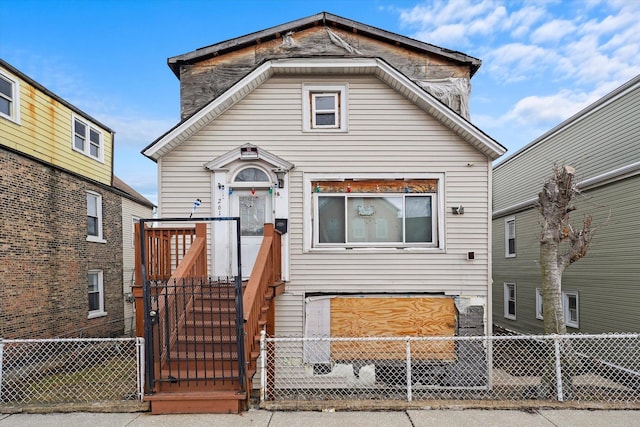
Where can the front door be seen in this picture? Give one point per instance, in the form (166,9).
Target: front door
(254,209)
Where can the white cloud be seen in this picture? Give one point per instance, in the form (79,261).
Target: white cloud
(552,31)
(520,21)
(549,110)
(516,61)
(454,22)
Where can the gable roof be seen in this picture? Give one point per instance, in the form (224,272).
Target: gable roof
(373,66)
(631,85)
(131,193)
(326,19)
(13,70)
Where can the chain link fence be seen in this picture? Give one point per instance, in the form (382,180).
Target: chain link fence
(587,368)
(71,370)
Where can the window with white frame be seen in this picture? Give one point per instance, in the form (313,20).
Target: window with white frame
(376,213)
(571,309)
(324,108)
(539,304)
(510,301)
(510,237)
(134,220)
(87,139)
(9,98)
(96,293)
(94,217)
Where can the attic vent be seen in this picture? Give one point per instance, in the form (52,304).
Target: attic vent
(248,153)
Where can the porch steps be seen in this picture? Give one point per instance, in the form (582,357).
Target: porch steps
(201,374)
(204,361)
(198,402)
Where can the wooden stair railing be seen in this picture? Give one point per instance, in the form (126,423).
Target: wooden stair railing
(193,265)
(164,248)
(190,248)
(265,283)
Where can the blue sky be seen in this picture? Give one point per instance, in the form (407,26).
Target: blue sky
(543,60)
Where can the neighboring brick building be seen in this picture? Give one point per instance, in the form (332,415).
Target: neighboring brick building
(61,237)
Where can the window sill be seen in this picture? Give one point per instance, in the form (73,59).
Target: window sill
(378,250)
(10,118)
(325,130)
(95,239)
(94,314)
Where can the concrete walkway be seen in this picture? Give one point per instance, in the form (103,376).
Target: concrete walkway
(409,418)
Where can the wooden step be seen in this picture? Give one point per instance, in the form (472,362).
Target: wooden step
(180,382)
(208,364)
(201,402)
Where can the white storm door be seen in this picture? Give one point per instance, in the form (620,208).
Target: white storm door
(254,209)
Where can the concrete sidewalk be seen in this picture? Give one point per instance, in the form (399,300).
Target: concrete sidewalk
(409,418)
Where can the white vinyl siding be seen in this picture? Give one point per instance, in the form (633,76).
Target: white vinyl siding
(131,212)
(387,134)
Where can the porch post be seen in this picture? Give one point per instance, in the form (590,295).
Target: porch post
(136,288)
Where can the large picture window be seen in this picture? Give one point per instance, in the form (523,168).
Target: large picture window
(378,213)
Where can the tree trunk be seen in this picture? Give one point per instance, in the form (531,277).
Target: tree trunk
(553,314)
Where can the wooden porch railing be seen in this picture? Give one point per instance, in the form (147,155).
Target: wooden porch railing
(258,297)
(166,247)
(188,245)
(173,305)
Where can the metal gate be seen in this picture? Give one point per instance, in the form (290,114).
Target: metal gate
(166,307)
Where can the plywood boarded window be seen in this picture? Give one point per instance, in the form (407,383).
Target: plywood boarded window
(382,316)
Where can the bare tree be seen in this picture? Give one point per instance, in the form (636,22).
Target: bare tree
(555,202)
(560,246)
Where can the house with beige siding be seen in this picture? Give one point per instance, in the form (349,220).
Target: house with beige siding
(600,292)
(134,207)
(61,253)
(333,130)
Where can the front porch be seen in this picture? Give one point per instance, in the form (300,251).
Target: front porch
(202,334)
